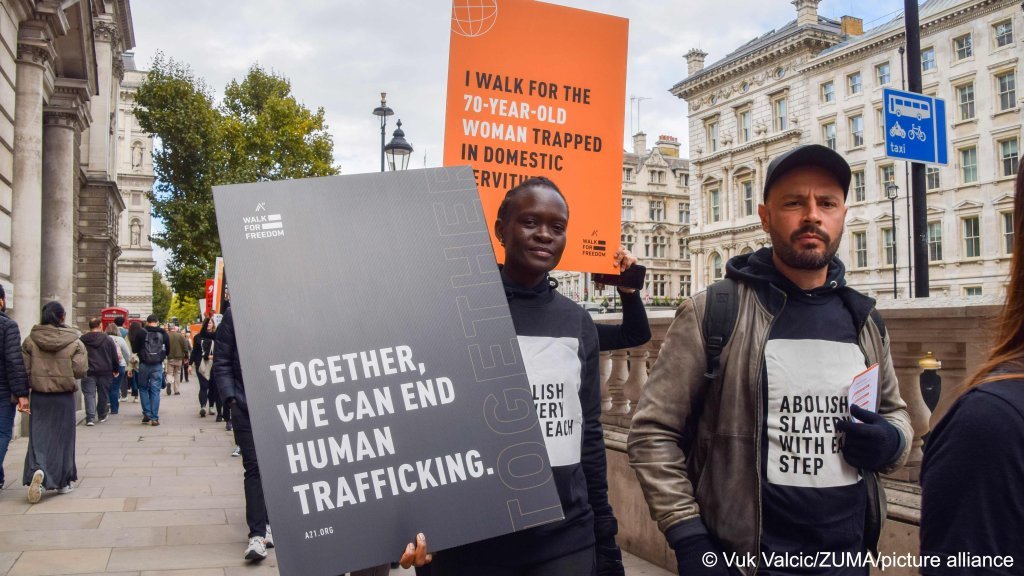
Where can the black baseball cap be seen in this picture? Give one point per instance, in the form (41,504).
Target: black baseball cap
(809,155)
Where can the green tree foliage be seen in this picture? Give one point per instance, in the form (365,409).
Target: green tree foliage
(161,297)
(260,132)
(186,309)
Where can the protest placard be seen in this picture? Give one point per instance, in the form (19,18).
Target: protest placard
(536,89)
(387,392)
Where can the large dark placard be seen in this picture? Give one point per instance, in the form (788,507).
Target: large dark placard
(384,379)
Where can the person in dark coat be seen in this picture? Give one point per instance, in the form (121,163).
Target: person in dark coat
(103,368)
(13,379)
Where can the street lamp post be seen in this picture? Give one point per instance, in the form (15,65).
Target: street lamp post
(893,191)
(398,150)
(383,112)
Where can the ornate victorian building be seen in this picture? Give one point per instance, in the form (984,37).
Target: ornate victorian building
(60,68)
(820,80)
(135,179)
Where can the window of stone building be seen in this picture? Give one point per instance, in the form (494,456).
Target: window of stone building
(853,83)
(1006,86)
(684,212)
(859,186)
(660,246)
(684,249)
(934,237)
(828,134)
(931,178)
(963,46)
(627,209)
(886,176)
(743,123)
(860,249)
(647,246)
(972,236)
(969,165)
(659,285)
(1007,218)
(972,290)
(716,267)
(627,174)
(779,111)
(889,245)
(657,210)
(1009,157)
(684,285)
(712,134)
(684,179)
(714,206)
(1003,32)
(965,100)
(828,91)
(856,130)
(627,241)
(747,190)
(882,74)
(927,59)
(880,125)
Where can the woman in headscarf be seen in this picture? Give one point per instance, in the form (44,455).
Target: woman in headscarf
(54,359)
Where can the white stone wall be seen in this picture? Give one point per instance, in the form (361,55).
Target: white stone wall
(8,52)
(953,200)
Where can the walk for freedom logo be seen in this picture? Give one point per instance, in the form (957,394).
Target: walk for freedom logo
(262,225)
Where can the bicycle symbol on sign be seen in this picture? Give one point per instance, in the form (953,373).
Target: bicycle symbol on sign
(897,131)
(916,133)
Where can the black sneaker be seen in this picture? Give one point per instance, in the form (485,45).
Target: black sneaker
(145,419)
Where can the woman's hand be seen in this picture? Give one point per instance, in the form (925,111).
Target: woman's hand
(623,260)
(416,555)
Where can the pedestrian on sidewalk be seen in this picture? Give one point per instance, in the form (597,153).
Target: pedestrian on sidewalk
(121,330)
(54,358)
(118,388)
(133,361)
(152,345)
(177,354)
(227,372)
(13,379)
(102,370)
(202,358)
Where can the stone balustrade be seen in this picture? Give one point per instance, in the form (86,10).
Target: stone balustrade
(958,332)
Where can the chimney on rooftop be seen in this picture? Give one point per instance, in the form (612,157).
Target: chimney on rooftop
(806,12)
(695,60)
(852,26)
(668,146)
(639,143)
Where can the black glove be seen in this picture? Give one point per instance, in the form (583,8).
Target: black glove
(698,554)
(609,558)
(871,444)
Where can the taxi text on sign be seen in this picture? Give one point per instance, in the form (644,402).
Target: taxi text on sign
(536,89)
(915,127)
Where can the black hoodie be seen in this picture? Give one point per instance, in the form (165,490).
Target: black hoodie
(102,354)
(560,350)
(812,500)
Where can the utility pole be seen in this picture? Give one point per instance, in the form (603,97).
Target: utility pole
(906,179)
(917,185)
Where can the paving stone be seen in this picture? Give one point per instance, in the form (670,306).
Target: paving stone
(160,490)
(163,518)
(235,534)
(54,562)
(95,538)
(43,522)
(199,572)
(191,503)
(58,504)
(175,557)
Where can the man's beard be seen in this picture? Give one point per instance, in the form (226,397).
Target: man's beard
(804,259)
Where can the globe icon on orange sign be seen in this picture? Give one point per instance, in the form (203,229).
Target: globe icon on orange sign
(473,18)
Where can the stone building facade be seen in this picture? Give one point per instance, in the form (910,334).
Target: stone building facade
(820,80)
(135,179)
(60,66)
(655,223)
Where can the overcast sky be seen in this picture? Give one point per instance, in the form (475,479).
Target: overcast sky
(340,54)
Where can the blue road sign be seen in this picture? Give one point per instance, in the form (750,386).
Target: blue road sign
(915,127)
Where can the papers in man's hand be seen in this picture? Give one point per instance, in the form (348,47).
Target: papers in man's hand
(864,389)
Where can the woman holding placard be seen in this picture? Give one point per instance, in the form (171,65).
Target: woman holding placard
(559,343)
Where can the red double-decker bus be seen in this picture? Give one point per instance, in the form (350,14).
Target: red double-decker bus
(107,316)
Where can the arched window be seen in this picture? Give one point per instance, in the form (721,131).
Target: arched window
(717,271)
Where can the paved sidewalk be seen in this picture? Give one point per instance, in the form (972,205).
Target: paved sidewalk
(151,501)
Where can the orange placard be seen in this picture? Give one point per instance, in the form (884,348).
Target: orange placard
(536,89)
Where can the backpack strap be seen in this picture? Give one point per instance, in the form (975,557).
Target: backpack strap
(720,311)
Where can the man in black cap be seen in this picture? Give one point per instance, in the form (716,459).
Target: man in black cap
(754,453)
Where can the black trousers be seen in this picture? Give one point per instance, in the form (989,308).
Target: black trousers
(579,563)
(255,505)
(204,390)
